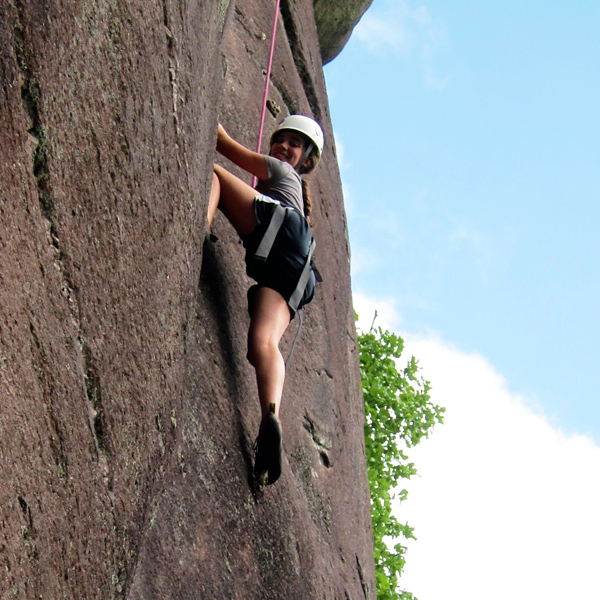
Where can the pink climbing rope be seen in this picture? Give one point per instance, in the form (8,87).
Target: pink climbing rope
(266,95)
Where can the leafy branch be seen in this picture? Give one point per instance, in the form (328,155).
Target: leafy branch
(398,414)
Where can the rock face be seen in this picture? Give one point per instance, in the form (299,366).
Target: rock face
(127,407)
(335,21)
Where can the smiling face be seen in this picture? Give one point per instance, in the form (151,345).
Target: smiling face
(288,146)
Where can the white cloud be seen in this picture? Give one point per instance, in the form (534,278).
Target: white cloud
(484,252)
(388,316)
(395,28)
(362,260)
(341,153)
(432,80)
(471,245)
(505,505)
(344,165)
(392,26)
(349,199)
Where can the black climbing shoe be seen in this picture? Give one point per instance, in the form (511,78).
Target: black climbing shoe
(267,462)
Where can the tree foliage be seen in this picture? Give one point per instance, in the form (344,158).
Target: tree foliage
(398,414)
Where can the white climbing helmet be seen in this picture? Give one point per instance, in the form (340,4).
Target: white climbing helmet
(309,127)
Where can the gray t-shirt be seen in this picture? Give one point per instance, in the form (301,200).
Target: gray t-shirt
(284,184)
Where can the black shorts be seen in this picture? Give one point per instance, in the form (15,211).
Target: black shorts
(283,267)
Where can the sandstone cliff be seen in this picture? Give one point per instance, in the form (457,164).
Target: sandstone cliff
(127,408)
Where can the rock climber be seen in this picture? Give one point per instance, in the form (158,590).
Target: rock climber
(295,148)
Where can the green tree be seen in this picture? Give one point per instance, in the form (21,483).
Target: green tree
(398,414)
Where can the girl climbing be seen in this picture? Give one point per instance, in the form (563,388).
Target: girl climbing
(272,221)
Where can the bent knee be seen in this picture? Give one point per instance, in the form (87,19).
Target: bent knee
(260,350)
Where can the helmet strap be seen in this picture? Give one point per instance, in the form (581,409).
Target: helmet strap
(309,148)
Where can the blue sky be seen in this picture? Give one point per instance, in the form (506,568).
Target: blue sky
(469,136)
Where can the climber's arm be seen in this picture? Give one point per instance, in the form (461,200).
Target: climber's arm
(250,161)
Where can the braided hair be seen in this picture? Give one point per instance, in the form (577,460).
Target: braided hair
(306,199)
(307,167)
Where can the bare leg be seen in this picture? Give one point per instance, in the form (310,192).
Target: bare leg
(213,199)
(270,314)
(270,318)
(235,198)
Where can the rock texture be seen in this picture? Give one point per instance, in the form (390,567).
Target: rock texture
(127,407)
(335,21)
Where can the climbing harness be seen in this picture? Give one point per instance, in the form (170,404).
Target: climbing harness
(268,239)
(266,244)
(268,81)
(262,253)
